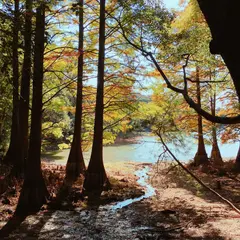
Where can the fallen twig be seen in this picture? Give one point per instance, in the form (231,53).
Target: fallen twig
(197,179)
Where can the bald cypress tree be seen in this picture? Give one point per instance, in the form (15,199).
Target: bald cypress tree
(201,155)
(96,177)
(11,157)
(21,155)
(75,164)
(34,191)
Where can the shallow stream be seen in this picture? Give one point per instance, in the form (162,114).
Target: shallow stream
(142,181)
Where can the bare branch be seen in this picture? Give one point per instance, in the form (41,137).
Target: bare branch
(189,100)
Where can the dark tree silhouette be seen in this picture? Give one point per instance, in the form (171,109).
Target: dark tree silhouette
(237,161)
(34,191)
(223,20)
(21,154)
(13,146)
(75,164)
(96,177)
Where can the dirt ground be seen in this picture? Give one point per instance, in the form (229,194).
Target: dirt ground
(180,209)
(201,214)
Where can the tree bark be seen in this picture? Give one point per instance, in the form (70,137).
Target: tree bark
(75,165)
(96,177)
(201,155)
(34,191)
(10,157)
(223,19)
(21,156)
(216,157)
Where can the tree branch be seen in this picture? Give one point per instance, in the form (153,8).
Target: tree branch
(189,100)
(197,179)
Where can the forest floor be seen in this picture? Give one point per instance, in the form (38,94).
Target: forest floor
(179,209)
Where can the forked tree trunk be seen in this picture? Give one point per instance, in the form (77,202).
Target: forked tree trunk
(34,191)
(216,157)
(21,155)
(75,163)
(96,177)
(11,157)
(201,155)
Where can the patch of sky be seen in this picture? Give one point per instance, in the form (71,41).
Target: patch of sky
(171,3)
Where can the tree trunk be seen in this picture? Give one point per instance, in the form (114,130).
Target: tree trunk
(21,156)
(96,177)
(2,145)
(201,155)
(216,157)
(223,19)
(10,157)
(34,191)
(75,164)
(237,160)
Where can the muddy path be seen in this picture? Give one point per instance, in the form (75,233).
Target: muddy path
(119,220)
(166,207)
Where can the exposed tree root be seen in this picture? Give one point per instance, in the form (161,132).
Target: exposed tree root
(95,183)
(74,169)
(32,197)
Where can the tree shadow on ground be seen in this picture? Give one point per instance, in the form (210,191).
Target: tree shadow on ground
(142,220)
(32,223)
(67,213)
(28,229)
(154,222)
(228,188)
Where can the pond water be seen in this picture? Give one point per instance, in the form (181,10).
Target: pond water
(146,149)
